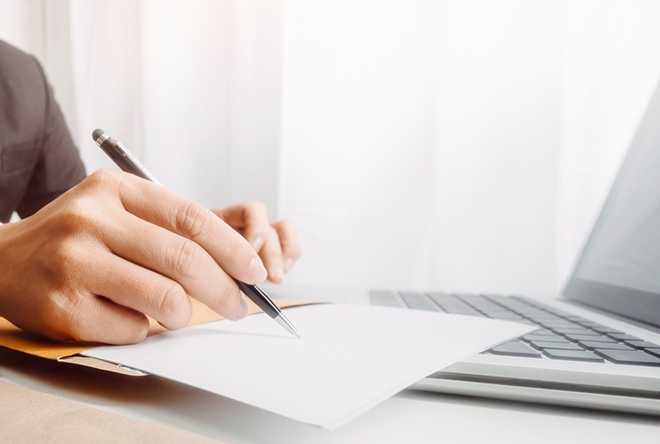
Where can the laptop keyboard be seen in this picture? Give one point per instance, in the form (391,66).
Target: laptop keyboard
(561,335)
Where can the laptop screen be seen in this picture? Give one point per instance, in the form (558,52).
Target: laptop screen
(619,268)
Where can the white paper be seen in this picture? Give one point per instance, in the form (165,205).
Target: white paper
(350,357)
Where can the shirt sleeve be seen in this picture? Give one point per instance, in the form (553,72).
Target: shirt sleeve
(59,166)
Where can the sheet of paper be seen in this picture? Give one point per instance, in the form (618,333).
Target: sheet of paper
(350,357)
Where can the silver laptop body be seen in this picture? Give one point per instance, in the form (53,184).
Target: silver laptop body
(613,294)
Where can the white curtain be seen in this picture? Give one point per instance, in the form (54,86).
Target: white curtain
(445,145)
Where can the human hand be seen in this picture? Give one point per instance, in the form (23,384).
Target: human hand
(90,265)
(278,243)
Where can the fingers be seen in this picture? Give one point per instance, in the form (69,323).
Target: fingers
(250,219)
(117,324)
(153,203)
(140,289)
(271,254)
(179,266)
(278,244)
(290,242)
(95,319)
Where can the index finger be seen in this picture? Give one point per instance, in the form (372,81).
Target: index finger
(160,206)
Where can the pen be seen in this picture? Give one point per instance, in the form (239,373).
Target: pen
(129,163)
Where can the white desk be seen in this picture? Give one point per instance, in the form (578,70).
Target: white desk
(410,417)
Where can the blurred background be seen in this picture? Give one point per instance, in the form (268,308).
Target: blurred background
(438,145)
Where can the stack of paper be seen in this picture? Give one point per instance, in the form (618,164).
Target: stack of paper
(349,359)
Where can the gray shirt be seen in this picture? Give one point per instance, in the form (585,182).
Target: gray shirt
(38,159)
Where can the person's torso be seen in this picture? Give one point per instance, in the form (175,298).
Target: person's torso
(23,101)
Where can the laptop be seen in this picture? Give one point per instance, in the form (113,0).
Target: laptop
(598,344)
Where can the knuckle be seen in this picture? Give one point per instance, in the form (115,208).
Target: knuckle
(272,232)
(234,248)
(76,215)
(64,258)
(105,178)
(137,329)
(257,206)
(192,220)
(227,291)
(272,247)
(163,299)
(288,225)
(171,299)
(185,259)
(69,316)
(65,318)
(254,209)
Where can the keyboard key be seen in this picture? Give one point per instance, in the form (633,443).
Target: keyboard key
(460,310)
(553,324)
(418,301)
(505,316)
(542,345)
(478,302)
(575,331)
(444,296)
(488,307)
(629,357)
(591,345)
(542,332)
(572,355)
(527,321)
(384,298)
(554,338)
(640,345)
(451,304)
(546,318)
(623,337)
(603,329)
(530,311)
(486,311)
(558,324)
(577,338)
(515,348)
(556,311)
(653,351)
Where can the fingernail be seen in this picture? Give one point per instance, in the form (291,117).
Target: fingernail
(242,308)
(256,272)
(288,264)
(277,273)
(258,243)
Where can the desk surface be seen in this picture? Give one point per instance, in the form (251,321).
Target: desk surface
(410,416)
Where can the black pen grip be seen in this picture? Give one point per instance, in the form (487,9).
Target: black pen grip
(259,297)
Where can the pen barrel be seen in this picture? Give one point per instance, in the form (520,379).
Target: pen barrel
(259,298)
(124,159)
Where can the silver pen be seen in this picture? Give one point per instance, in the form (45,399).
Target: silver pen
(129,163)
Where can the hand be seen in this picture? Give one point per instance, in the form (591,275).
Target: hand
(90,265)
(278,243)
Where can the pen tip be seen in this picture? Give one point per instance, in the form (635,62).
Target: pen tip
(288,326)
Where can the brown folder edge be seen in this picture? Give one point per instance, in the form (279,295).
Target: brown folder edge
(16,339)
(29,416)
